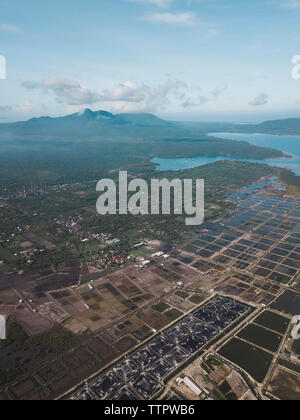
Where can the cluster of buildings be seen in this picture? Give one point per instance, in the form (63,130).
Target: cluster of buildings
(28,254)
(34,190)
(109,259)
(73,226)
(153,231)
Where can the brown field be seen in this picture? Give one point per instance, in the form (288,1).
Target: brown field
(9,297)
(23,388)
(125,345)
(285,385)
(33,323)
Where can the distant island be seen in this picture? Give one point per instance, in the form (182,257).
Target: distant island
(290,126)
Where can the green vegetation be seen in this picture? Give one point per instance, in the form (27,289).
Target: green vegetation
(223,175)
(51,228)
(292,181)
(15,336)
(53,246)
(41,164)
(5,255)
(181,294)
(290,126)
(173,314)
(160,307)
(21,353)
(91,161)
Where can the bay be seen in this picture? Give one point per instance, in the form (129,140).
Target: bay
(288,144)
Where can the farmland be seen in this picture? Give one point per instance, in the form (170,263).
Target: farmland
(226,290)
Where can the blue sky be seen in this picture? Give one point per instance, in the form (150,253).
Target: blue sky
(189,60)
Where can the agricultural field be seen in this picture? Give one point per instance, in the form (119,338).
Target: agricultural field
(285,385)
(167,351)
(160,309)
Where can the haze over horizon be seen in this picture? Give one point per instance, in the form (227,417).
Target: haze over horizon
(209,118)
(180,60)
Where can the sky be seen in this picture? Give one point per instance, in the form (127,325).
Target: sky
(197,60)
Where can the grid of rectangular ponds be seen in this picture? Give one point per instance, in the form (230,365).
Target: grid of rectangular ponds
(140,376)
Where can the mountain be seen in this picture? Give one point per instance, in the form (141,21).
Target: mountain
(290,126)
(105,126)
(89,124)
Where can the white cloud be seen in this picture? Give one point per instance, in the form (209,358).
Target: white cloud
(260,100)
(159,3)
(127,97)
(24,108)
(70,91)
(124,96)
(66,91)
(126,92)
(184,19)
(130,98)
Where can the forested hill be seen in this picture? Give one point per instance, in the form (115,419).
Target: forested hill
(98,125)
(289,126)
(103,125)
